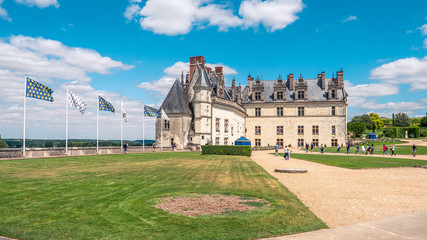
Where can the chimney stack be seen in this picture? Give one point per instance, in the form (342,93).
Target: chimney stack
(291,81)
(218,70)
(340,78)
(233,89)
(193,62)
(239,94)
(250,80)
(322,80)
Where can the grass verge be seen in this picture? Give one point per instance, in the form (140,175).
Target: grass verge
(113,197)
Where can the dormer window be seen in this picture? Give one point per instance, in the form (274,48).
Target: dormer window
(280,95)
(333,93)
(257,96)
(301,95)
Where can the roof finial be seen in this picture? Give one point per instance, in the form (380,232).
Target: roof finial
(333,75)
(341,68)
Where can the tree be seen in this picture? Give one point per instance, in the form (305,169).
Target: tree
(364,119)
(402,120)
(378,123)
(423,122)
(48,144)
(357,128)
(3,144)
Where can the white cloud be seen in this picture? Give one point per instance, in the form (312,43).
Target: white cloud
(423,29)
(408,70)
(50,62)
(3,13)
(39,3)
(349,18)
(425,43)
(51,59)
(156,15)
(273,14)
(371,90)
(173,72)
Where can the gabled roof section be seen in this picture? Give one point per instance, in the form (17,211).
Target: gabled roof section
(203,79)
(176,100)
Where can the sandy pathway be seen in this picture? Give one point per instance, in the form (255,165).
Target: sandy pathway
(342,196)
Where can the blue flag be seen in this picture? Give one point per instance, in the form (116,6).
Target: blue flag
(150,111)
(105,106)
(38,90)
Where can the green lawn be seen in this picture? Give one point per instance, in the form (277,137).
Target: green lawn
(112,197)
(359,161)
(378,149)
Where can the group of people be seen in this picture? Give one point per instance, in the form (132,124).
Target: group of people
(287,152)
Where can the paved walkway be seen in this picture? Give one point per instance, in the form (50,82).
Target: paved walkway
(406,226)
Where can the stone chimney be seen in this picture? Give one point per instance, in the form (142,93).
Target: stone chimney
(250,80)
(209,69)
(193,61)
(233,89)
(219,71)
(322,79)
(291,81)
(239,94)
(340,78)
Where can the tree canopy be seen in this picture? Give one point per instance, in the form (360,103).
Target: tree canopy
(423,122)
(378,123)
(402,120)
(364,119)
(357,128)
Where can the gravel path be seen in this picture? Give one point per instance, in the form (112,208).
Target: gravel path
(342,196)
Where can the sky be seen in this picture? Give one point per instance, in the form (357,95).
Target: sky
(133,50)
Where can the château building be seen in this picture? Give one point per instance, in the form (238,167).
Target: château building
(202,110)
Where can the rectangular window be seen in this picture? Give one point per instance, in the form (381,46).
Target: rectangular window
(217,141)
(334,142)
(300,130)
(300,94)
(280,142)
(280,112)
(315,130)
(257,96)
(258,142)
(257,130)
(301,142)
(232,132)
(280,95)
(257,112)
(279,130)
(218,124)
(333,111)
(166,125)
(300,111)
(225,125)
(225,141)
(333,130)
(316,142)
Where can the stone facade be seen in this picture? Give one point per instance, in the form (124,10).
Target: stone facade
(289,112)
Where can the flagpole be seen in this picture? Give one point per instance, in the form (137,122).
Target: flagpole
(25,108)
(66,121)
(161,131)
(97,123)
(121,125)
(143,126)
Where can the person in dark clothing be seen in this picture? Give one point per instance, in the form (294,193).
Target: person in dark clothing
(125,146)
(348,148)
(372,149)
(306,147)
(414,150)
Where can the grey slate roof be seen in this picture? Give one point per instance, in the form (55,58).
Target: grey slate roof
(202,80)
(314,91)
(176,100)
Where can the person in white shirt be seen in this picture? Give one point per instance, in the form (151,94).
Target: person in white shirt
(363,149)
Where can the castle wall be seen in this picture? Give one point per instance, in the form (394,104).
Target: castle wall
(236,125)
(179,128)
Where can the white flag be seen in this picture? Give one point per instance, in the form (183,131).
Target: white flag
(75,101)
(164,116)
(124,112)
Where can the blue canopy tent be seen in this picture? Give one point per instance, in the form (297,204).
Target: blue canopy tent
(242,141)
(372,136)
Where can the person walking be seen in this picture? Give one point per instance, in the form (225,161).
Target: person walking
(322,149)
(311,147)
(372,148)
(357,149)
(363,149)
(306,147)
(154,146)
(276,149)
(286,153)
(414,150)
(338,148)
(385,150)
(125,146)
(348,148)
(393,150)
(368,149)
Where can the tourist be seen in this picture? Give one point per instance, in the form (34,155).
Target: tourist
(357,149)
(125,146)
(322,149)
(154,147)
(306,147)
(338,148)
(372,148)
(276,149)
(414,150)
(299,146)
(174,147)
(363,149)
(286,152)
(311,147)
(289,152)
(393,150)
(348,148)
(385,150)
(368,150)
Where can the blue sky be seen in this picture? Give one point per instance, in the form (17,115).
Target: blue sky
(135,49)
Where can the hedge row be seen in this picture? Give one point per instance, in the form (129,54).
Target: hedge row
(227,150)
(399,132)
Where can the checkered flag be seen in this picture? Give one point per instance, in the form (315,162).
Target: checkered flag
(76,102)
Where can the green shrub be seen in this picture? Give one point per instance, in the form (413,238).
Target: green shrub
(227,150)
(3,144)
(423,132)
(423,121)
(415,121)
(399,132)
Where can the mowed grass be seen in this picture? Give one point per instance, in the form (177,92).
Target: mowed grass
(378,149)
(359,161)
(113,197)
